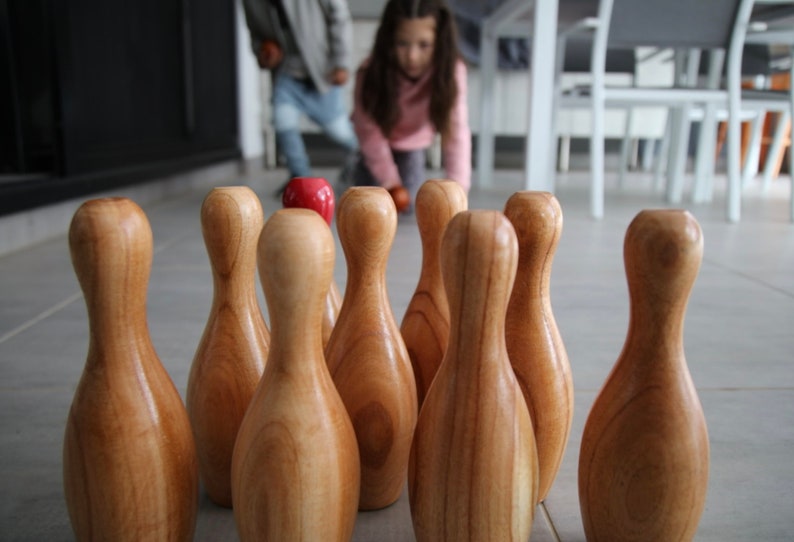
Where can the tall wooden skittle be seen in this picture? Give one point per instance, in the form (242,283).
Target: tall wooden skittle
(317,193)
(331,308)
(425,326)
(473,472)
(534,344)
(129,462)
(644,458)
(366,353)
(231,356)
(295,468)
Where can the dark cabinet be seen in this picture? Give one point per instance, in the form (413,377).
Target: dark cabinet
(100,93)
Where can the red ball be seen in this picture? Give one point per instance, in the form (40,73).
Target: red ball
(401,197)
(310,193)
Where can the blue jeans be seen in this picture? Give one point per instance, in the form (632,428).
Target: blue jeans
(293,98)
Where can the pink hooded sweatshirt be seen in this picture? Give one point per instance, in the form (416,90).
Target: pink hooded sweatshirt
(414,130)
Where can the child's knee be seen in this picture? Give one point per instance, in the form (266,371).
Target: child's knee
(341,130)
(286,117)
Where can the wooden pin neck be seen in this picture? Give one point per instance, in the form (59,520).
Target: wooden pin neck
(110,241)
(662,253)
(366,223)
(478,258)
(231,220)
(295,256)
(537,219)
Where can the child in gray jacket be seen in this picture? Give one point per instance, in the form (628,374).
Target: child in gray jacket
(307,46)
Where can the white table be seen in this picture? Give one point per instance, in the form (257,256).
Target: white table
(536,19)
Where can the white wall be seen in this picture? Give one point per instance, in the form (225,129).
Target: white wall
(249,95)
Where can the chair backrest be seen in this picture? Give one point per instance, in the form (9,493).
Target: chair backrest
(700,24)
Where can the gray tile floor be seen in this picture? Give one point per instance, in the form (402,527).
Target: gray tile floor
(738,340)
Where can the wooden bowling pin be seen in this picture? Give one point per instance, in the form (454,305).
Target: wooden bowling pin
(230,358)
(317,194)
(129,462)
(534,344)
(366,354)
(644,458)
(425,326)
(331,308)
(295,468)
(473,471)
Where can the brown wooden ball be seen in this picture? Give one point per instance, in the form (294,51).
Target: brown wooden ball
(401,197)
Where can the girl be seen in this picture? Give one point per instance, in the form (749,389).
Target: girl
(411,87)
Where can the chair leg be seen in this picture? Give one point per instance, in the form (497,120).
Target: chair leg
(734,137)
(648,149)
(625,150)
(791,198)
(598,105)
(678,155)
(680,142)
(705,161)
(597,172)
(597,155)
(750,168)
(774,156)
(564,163)
(485,135)
(705,155)
(662,156)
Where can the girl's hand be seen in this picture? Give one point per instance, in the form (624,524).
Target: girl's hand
(270,55)
(338,76)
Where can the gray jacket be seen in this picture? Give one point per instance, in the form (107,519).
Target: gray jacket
(323,31)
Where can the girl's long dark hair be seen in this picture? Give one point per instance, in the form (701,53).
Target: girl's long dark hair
(379,86)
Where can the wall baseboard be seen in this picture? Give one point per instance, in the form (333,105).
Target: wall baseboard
(26,228)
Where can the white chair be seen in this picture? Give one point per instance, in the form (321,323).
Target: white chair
(687,27)
(494,20)
(769,25)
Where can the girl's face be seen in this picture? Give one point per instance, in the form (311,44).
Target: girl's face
(415,41)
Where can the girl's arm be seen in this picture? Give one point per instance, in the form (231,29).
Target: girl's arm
(456,148)
(372,143)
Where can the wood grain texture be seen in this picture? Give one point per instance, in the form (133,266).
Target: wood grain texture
(295,468)
(333,303)
(366,353)
(473,473)
(425,325)
(231,355)
(317,193)
(534,344)
(129,462)
(644,458)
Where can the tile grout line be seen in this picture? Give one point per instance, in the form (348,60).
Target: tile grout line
(72,298)
(747,276)
(549,522)
(157,248)
(41,316)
